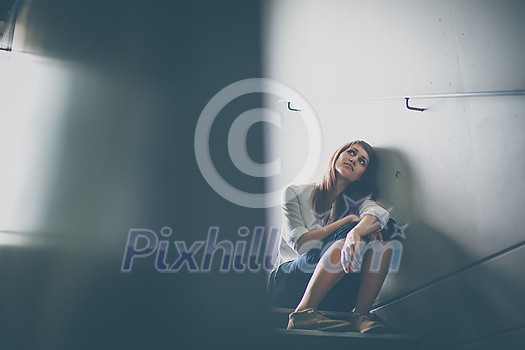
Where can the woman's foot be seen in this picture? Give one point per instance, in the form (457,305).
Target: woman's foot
(365,323)
(313,319)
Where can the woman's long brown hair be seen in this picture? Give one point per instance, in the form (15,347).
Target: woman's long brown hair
(365,187)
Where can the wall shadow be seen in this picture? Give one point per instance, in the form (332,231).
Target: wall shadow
(443,293)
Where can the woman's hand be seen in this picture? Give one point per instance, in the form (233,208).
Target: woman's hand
(351,252)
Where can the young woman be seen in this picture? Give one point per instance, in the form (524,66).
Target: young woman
(323,261)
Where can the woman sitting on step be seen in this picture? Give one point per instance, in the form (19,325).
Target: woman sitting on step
(325,260)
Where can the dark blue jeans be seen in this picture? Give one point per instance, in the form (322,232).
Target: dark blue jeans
(288,281)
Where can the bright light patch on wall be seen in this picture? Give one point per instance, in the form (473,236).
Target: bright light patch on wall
(13,239)
(299,136)
(32,93)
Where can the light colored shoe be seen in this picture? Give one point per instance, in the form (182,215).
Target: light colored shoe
(365,323)
(314,320)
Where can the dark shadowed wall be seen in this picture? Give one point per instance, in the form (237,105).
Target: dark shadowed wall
(100,104)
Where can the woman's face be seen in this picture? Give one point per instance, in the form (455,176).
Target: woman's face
(352,163)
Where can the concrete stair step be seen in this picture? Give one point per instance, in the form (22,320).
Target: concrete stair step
(311,339)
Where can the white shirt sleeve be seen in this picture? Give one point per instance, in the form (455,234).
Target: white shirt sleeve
(294,225)
(370,207)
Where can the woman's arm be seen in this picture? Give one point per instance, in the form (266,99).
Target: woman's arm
(370,207)
(351,251)
(295,230)
(323,232)
(367,225)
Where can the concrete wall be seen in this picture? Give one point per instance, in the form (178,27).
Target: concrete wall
(453,173)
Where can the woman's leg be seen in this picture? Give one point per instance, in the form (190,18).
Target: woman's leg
(372,281)
(327,274)
(324,279)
